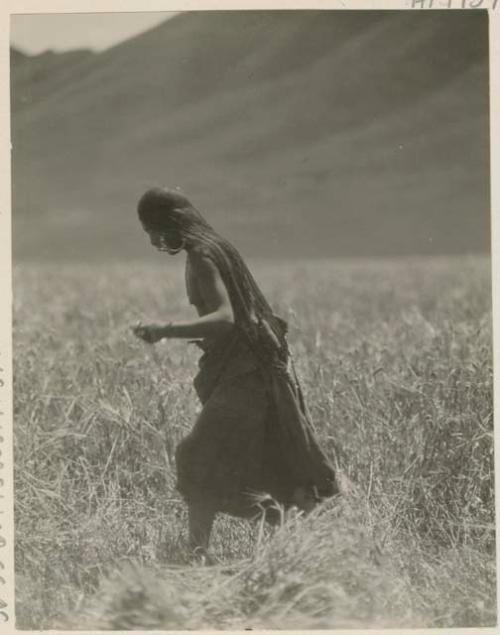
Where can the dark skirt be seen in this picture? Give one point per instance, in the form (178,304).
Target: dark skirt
(252,438)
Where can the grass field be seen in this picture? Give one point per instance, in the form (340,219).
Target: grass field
(396,363)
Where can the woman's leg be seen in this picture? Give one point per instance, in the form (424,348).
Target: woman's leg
(201,518)
(303,499)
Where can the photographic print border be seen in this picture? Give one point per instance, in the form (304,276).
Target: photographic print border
(7,593)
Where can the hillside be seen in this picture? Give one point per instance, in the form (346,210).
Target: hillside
(38,77)
(328,133)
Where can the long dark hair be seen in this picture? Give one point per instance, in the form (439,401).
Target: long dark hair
(165,210)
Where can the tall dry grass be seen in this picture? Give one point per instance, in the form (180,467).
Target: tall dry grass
(396,362)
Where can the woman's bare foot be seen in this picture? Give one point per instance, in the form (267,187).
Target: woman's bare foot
(201,556)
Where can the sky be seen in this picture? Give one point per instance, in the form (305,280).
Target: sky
(64,31)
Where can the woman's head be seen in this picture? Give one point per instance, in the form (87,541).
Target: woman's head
(169,218)
(173,223)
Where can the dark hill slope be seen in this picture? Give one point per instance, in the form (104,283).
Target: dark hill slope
(329,132)
(36,78)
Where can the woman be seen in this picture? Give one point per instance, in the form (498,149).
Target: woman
(253,441)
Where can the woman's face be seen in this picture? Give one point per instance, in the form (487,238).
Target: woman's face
(165,240)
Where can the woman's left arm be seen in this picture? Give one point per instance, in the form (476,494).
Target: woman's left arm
(219,318)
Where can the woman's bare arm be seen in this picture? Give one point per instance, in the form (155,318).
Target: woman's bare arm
(216,322)
(219,319)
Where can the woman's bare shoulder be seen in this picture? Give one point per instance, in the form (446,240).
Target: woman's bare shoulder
(199,255)
(200,260)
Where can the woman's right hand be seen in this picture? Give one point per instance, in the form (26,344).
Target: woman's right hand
(149,333)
